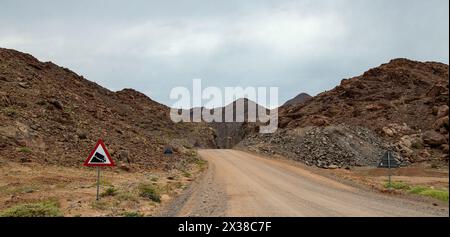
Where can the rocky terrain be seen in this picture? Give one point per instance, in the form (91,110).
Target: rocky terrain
(50,119)
(401,105)
(332,147)
(50,115)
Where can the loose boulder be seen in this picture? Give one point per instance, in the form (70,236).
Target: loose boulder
(442,111)
(441,123)
(433,138)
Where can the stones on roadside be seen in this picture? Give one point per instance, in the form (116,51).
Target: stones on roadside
(125,167)
(25,160)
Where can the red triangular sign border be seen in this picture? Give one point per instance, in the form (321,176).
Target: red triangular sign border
(99,143)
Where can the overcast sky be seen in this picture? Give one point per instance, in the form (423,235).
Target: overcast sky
(153,46)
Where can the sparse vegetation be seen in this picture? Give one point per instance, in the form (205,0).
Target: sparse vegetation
(132,214)
(420,190)
(430,192)
(417,189)
(149,191)
(103,183)
(126,196)
(10,112)
(24,149)
(68,111)
(434,166)
(186,174)
(417,145)
(110,191)
(39,209)
(171,187)
(101,205)
(193,153)
(19,189)
(397,185)
(201,164)
(28,190)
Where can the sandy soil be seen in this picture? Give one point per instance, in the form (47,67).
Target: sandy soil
(74,189)
(243,184)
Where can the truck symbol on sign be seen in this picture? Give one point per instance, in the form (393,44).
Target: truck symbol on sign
(98,158)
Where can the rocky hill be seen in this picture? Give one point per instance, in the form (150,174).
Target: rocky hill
(231,133)
(401,105)
(299,99)
(49,114)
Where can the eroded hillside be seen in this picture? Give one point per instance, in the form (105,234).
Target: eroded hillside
(49,114)
(401,105)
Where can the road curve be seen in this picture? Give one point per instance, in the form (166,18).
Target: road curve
(242,184)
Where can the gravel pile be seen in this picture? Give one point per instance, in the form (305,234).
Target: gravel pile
(331,147)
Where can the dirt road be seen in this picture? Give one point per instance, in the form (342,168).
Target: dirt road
(242,184)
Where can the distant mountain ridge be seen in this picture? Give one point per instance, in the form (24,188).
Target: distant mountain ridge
(300,98)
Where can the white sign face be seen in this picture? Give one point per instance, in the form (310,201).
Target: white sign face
(99,156)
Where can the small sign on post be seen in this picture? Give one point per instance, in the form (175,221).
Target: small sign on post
(168,150)
(388,161)
(98,157)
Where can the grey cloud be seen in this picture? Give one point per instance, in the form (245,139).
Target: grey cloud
(153,46)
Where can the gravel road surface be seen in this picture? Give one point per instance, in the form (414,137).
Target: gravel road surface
(238,183)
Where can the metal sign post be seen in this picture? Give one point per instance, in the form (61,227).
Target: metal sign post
(390,163)
(98,182)
(389,169)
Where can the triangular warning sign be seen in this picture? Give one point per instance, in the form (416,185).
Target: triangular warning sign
(99,156)
(388,161)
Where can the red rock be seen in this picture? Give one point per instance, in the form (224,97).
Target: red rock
(442,111)
(433,138)
(424,154)
(437,90)
(389,132)
(320,121)
(441,123)
(125,167)
(374,107)
(445,148)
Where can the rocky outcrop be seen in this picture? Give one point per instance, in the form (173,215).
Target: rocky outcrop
(403,102)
